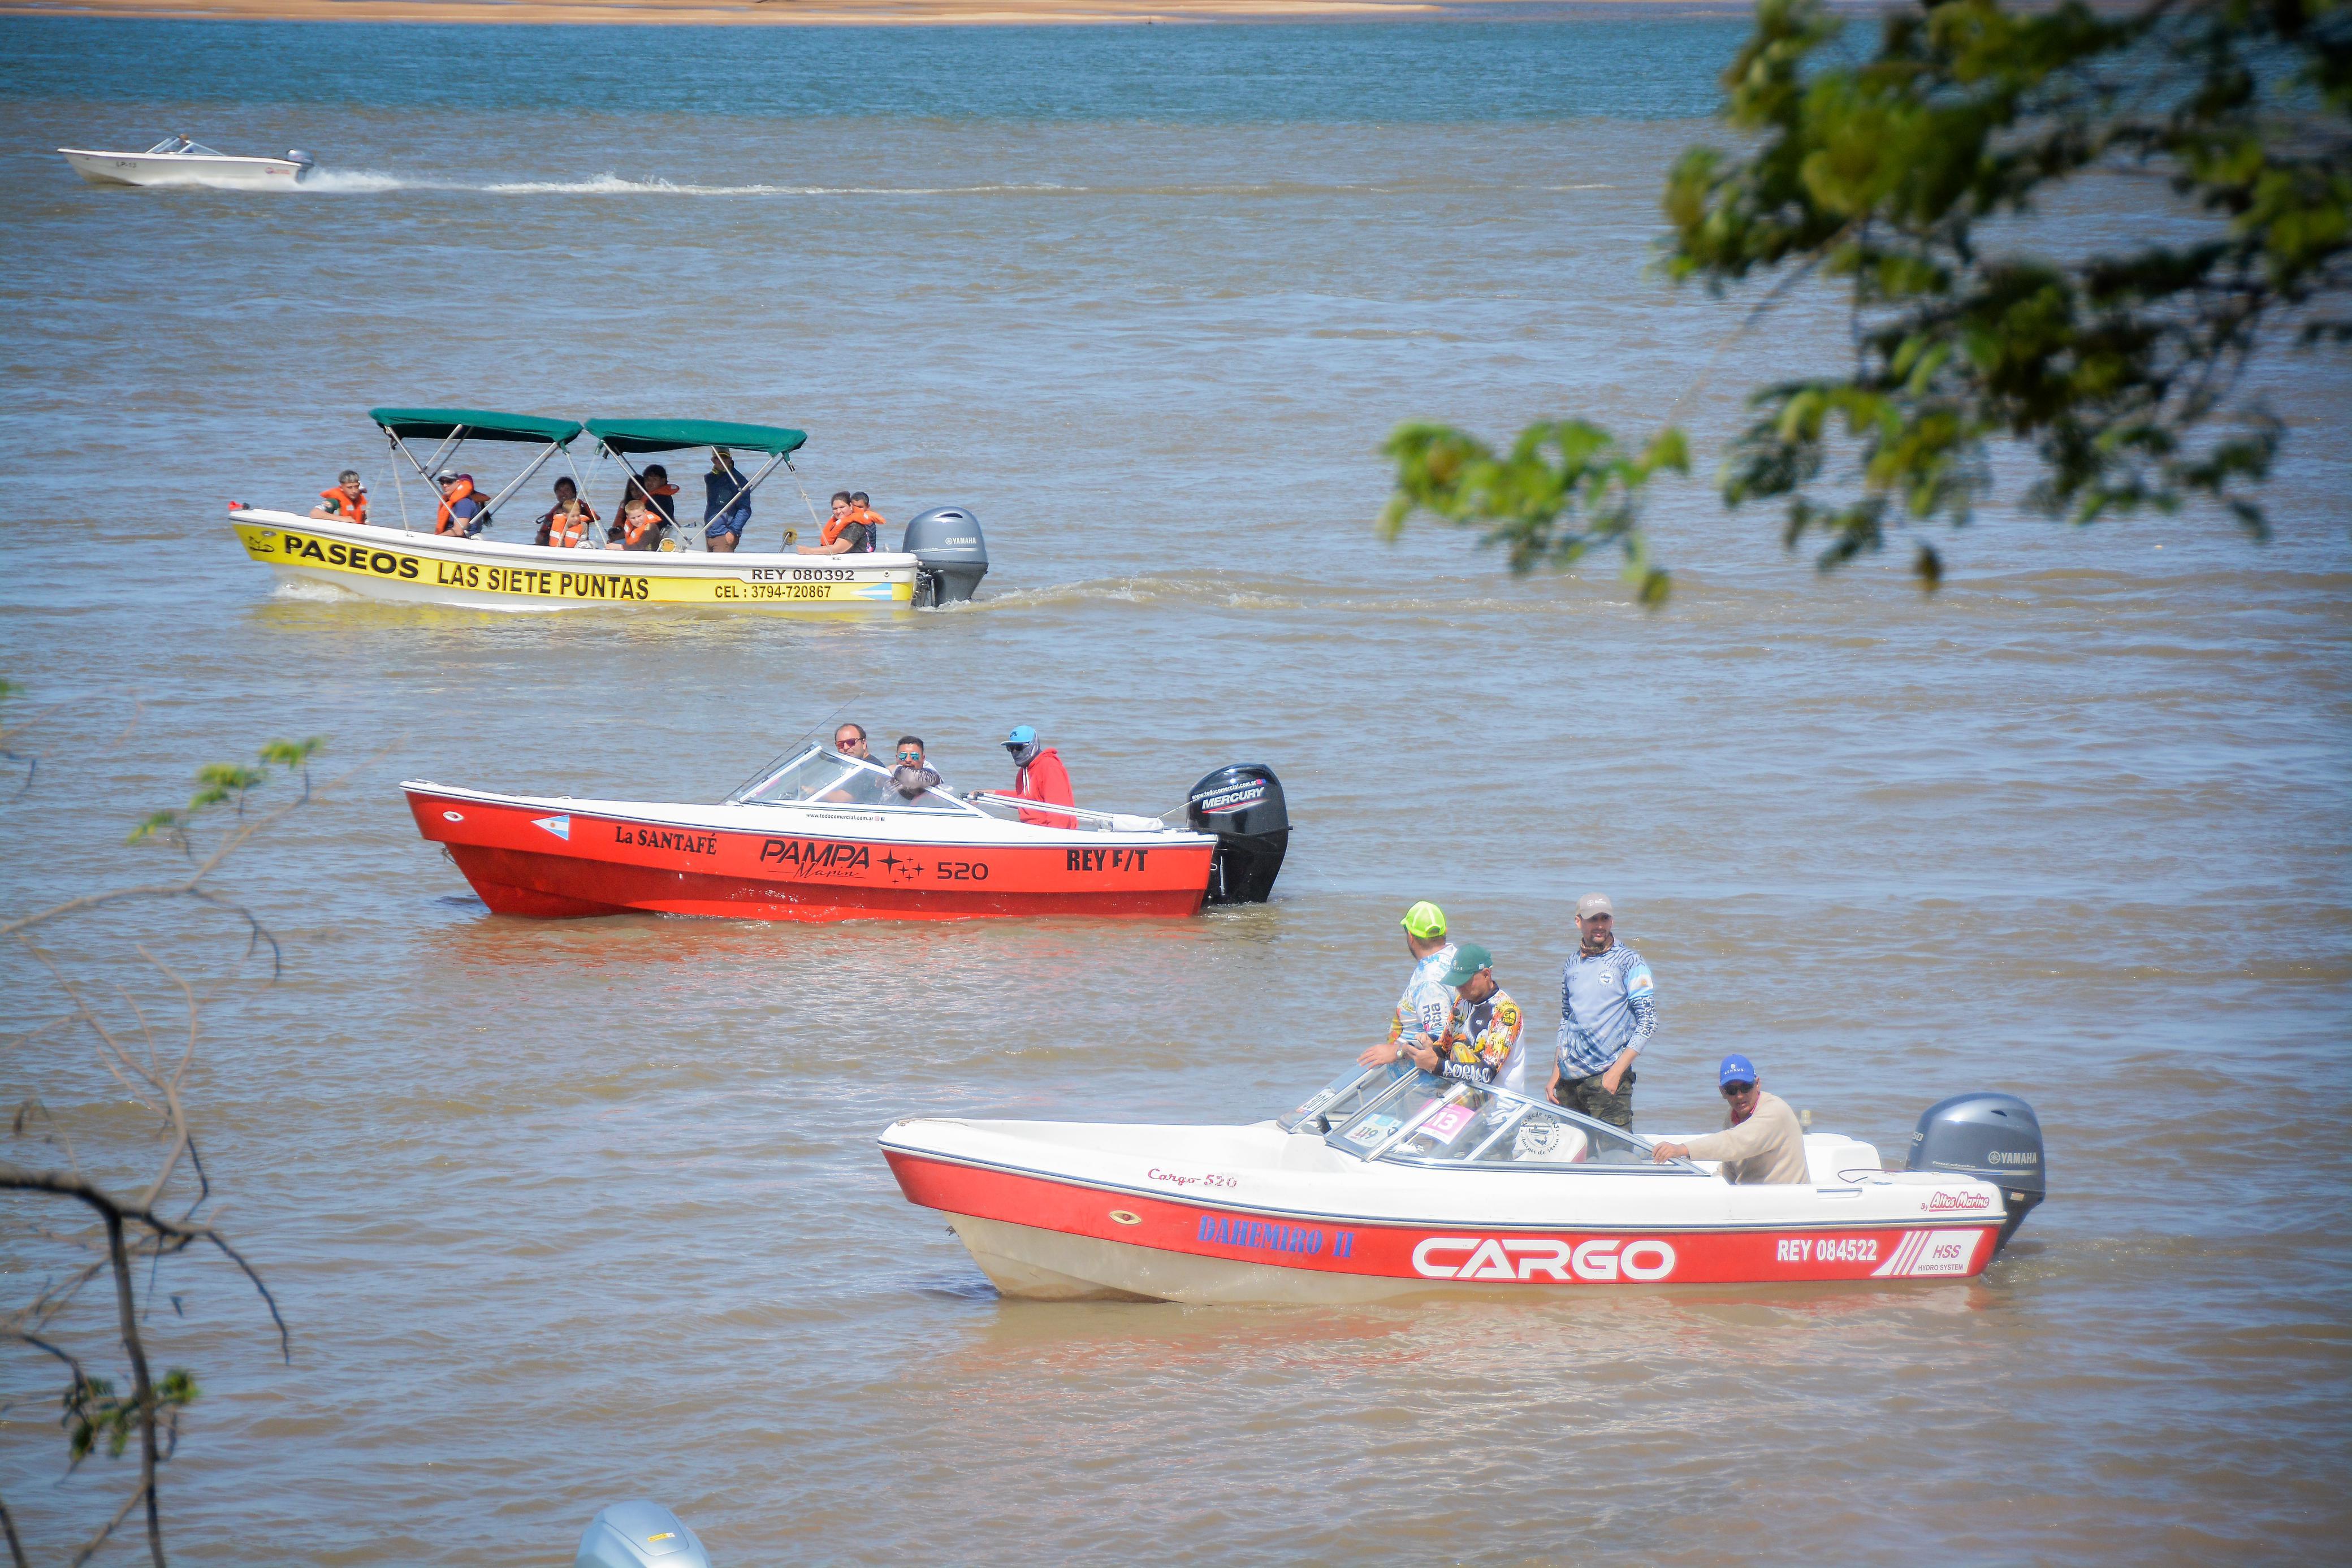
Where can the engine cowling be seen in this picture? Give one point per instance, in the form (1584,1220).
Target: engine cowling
(1243,805)
(950,556)
(1993,1137)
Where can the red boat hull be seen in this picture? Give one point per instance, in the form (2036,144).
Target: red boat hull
(1442,1255)
(539,860)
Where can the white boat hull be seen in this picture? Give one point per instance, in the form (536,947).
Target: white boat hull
(389,563)
(219,173)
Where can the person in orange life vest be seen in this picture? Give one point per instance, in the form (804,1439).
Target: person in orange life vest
(662,496)
(1038,775)
(346,503)
(842,530)
(638,527)
(566,526)
(461,512)
(862,510)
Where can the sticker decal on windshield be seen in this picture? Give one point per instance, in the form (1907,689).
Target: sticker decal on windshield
(1373,1128)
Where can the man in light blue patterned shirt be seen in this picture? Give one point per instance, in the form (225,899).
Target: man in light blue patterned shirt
(1427,1006)
(1608,1012)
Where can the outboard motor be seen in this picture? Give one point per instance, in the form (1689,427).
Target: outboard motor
(1242,805)
(950,556)
(640,1535)
(1994,1137)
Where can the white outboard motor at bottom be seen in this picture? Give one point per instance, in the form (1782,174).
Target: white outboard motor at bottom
(950,558)
(1243,805)
(640,1534)
(1993,1137)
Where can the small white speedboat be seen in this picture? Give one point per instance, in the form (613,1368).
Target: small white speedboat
(1386,1184)
(177,161)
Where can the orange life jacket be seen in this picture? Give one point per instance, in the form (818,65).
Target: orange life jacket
(350,509)
(638,528)
(569,530)
(442,522)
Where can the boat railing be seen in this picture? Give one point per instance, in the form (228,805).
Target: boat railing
(1101,822)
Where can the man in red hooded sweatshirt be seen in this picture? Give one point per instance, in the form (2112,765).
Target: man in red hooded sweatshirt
(1039,776)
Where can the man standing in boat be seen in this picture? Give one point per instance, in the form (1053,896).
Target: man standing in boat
(1481,1033)
(1422,1011)
(1608,1012)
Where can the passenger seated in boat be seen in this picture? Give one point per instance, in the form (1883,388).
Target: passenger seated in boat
(638,526)
(913,775)
(462,513)
(862,510)
(346,503)
(662,496)
(566,526)
(1761,1141)
(726,509)
(844,533)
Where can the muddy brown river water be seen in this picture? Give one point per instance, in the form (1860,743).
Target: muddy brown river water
(567,1212)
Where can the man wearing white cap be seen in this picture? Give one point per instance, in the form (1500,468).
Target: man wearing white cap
(1608,1012)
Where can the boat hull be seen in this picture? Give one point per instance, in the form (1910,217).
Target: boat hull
(219,173)
(1039,1237)
(557,859)
(393,564)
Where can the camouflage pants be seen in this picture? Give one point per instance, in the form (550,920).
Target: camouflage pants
(1586,1094)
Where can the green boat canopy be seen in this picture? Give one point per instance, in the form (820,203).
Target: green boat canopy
(676,434)
(472,424)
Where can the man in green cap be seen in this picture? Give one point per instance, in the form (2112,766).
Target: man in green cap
(1482,1036)
(1422,1012)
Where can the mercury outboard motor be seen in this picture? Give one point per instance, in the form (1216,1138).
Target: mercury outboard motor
(950,556)
(1994,1137)
(640,1535)
(1243,805)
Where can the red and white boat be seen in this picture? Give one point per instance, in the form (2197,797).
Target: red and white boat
(820,836)
(1388,1185)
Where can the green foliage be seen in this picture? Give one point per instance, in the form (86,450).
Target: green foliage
(228,781)
(1563,488)
(95,1413)
(2115,371)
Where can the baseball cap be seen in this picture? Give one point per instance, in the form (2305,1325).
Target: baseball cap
(1022,735)
(1424,920)
(1594,903)
(1737,1069)
(1468,959)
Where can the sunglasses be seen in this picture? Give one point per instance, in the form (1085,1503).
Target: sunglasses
(910,756)
(1734,1091)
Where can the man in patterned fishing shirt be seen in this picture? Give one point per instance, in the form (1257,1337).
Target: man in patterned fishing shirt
(1608,1012)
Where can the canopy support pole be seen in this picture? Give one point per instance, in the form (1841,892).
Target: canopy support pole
(490,507)
(786,542)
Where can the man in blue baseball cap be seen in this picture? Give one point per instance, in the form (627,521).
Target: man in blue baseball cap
(1038,775)
(1761,1141)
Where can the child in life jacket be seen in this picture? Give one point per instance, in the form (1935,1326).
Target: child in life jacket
(346,503)
(862,511)
(566,525)
(638,527)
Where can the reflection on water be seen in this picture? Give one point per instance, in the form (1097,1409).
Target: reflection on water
(568,1212)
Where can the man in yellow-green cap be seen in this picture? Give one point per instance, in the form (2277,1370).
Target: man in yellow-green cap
(1422,1012)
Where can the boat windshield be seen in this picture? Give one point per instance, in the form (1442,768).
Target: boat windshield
(1425,1120)
(182,144)
(822,776)
(1342,1098)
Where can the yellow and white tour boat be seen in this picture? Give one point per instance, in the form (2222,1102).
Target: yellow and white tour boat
(941,559)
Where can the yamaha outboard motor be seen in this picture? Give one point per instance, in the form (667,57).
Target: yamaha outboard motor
(1994,1137)
(1243,805)
(640,1535)
(950,556)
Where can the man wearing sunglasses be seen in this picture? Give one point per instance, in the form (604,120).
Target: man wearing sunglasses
(913,775)
(1608,1012)
(1761,1141)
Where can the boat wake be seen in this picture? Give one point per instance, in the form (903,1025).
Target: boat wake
(362,181)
